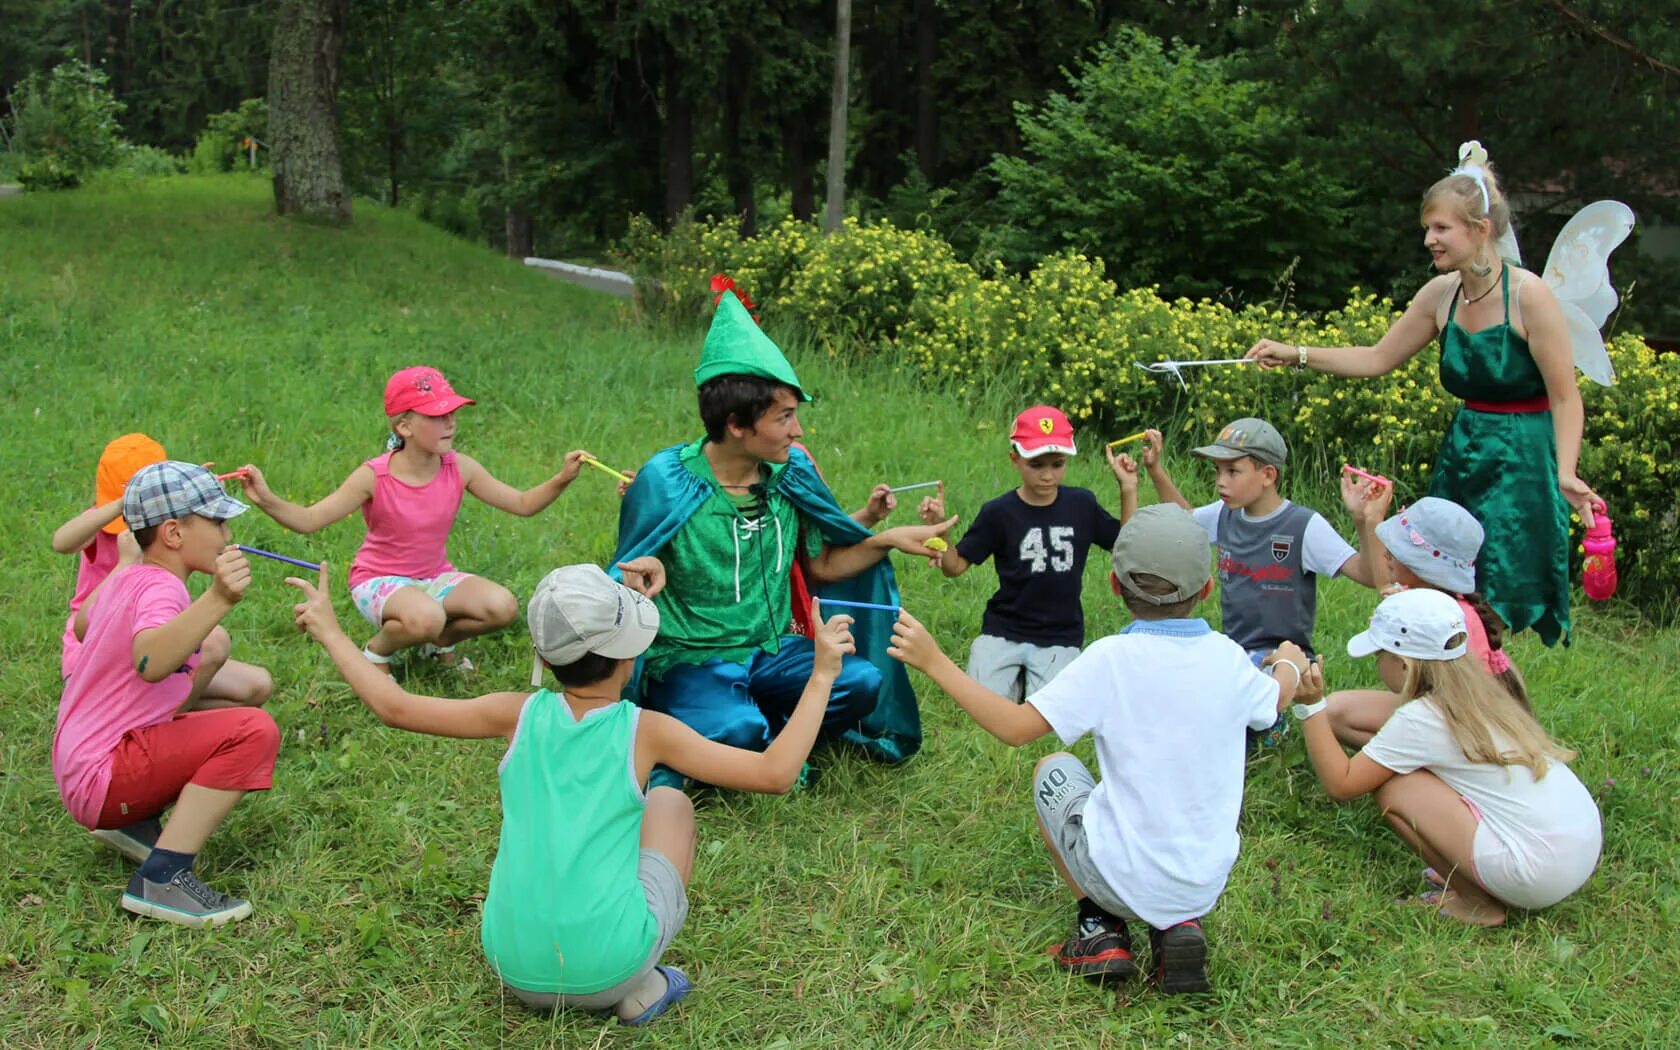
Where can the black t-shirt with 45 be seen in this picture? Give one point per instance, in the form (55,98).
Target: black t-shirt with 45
(1040,556)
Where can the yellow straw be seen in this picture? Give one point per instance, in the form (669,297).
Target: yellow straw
(1124,440)
(598,465)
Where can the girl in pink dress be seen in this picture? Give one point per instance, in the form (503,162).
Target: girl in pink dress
(401,578)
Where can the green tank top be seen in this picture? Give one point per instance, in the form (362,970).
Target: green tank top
(565,912)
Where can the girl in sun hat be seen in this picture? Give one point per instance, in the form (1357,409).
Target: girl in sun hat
(1462,772)
(401,578)
(101,537)
(1431,544)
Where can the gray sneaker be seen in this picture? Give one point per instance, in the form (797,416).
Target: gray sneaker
(184,900)
(134,841)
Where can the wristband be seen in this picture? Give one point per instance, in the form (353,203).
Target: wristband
(1300,672)
(1302,712)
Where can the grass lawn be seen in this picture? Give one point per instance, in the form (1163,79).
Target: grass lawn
(903,907)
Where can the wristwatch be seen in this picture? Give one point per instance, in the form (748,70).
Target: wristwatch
(1303,712)
(1301,356)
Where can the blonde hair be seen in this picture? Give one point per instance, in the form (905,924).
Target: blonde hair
(1477,709)
(1462,192)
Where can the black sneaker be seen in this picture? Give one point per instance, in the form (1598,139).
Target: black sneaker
(1180,957)
(134,841)
(184,900)
(1099,948)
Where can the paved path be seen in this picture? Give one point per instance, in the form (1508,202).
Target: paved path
(601,280)
(9,190)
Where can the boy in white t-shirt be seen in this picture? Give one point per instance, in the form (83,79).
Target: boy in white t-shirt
(1155,838)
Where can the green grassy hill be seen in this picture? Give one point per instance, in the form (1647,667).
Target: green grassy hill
(903,907)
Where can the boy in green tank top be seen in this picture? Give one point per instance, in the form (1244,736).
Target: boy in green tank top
(576,812)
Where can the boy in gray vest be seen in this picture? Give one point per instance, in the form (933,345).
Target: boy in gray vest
(1271,550)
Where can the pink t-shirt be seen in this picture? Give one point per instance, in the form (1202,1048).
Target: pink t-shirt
(92,566)
(105,696)
(408,525)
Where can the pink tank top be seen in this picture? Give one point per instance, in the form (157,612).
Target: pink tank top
(408,525)
(94,563)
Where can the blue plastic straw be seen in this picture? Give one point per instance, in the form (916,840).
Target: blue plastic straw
(279,557)
(856,605)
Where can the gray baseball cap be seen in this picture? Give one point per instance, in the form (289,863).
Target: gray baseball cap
(1163,540)
(1247,437)
(1438,540)
(578,609)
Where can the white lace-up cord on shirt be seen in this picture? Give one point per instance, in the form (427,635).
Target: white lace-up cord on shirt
(751,526)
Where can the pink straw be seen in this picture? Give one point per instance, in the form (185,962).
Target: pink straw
(1356,472)
(241,474)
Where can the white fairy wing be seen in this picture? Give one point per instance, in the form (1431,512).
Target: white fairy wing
(1578,272)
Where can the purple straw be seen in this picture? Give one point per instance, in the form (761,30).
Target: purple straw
(279,557)
(857,605)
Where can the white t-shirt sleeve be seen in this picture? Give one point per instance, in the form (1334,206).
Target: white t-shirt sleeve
(1208,518)
(1410,740)
(1258,694)
(1323,551)
(1073,702)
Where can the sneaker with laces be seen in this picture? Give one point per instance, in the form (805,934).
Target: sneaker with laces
(1180,957)
(134,841)
(184,900)
(1099,948)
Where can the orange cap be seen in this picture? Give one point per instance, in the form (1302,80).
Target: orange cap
(119,462)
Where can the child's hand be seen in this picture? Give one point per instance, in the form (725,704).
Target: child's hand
(256,486)
(932,508)
(1357,494)
(572,466)
(833,640)
(128,548)
(624,486)
(1151,452)
(232,575)
(1312,683)
(644,575)
(882,502)
(1125,469)
(315,613)
(912,539)
(912,644)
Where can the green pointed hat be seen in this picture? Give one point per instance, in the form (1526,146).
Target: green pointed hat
(736,346)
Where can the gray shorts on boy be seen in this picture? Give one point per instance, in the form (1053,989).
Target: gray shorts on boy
(1060,791)
(1016,670)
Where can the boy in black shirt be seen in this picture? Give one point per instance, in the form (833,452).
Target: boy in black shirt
(1039,534)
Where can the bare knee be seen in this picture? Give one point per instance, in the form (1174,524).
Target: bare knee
(501,607)
(259,686)
(422,623)
(213,651)
(671,804)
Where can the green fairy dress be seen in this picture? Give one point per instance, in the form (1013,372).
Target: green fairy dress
(1499,461)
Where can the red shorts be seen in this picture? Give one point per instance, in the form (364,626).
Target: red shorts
(229,749)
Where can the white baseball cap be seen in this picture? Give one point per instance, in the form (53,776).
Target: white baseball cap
(578,609)
(1419,623)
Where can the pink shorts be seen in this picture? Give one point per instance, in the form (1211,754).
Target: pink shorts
(370,596)
(229,749)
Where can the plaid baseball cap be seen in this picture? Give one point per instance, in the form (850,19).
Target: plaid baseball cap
(1247,437)
(173,489)
(1041,429)
(1420,623)
(421,389)
(578,609)
(1163,540)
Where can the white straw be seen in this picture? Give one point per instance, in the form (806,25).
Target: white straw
(1172,367)
(917,485)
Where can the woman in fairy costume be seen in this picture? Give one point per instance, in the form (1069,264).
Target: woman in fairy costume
(1510,454)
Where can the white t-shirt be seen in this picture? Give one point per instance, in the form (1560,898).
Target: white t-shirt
(1323,551)
(1529,816)
(1167,701)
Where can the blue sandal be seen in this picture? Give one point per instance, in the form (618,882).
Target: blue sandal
(677,987)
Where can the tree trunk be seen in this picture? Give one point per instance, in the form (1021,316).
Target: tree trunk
(679,140)
(520,244)
(303,109)
(927,100)
(835,211)
(802,189)
(736,172)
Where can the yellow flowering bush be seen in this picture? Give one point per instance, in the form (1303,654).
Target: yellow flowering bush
(1069,337)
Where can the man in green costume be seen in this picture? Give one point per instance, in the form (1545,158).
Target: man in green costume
(711,531)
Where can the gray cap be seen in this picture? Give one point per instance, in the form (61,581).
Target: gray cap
(1165,541)
(1438,540)
(578,609)
(1247,437)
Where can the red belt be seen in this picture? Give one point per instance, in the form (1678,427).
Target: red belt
(1512,408)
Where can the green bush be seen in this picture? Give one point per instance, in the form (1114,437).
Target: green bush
(147,162)
(65,126)
(220,146)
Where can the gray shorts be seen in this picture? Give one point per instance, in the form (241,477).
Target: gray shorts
(1016,670)
(667,899)
(1060,791)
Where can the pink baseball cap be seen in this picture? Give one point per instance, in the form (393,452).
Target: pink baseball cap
(1041,429)
(422,389)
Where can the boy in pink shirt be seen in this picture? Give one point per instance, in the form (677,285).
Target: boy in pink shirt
(127,746)
(102,539)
